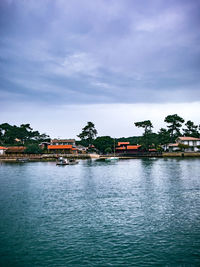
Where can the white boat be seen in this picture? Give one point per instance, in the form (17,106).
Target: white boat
(22,160)
(112,159)
(61,161)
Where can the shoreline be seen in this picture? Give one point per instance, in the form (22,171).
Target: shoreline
(53,157)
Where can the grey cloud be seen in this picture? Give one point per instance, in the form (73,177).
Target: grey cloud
(100,51)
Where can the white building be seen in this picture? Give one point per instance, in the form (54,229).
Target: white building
(2,150)
(192,143)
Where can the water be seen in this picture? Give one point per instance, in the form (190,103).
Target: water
(141,212)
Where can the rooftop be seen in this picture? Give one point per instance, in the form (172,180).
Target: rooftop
(60,147)
(13,149)
(2,148)
(63,140)
(123,143)
(176,144)
(188,138)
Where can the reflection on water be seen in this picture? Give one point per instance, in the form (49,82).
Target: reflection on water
(141,212)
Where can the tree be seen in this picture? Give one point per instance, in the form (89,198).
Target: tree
(104,142)
(108,150)
(88,134)
(191,130)
(33,149)
(147,138)
(147,125)
(164,137)
(174,125)
(183,147)
(24,132)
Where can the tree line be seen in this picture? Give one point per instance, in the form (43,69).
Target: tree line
(175,127)
(23,135)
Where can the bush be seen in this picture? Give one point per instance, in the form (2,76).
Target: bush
(108,150)
(33,149)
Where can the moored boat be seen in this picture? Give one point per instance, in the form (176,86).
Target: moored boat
(61,161)
(22,160)
(112,159)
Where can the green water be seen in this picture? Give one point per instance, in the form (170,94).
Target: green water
(141,212)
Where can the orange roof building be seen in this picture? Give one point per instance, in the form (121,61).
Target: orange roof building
(62,149)
(2,150)
(15,150)
(126,148)
(123,143)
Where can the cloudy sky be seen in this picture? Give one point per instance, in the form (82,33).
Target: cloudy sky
(113,62)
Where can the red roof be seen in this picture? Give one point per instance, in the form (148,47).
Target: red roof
(60,147)
(128,147)
(173,144)
(123,143)
(3,148)
(133,147)
(188,138)
(15,149)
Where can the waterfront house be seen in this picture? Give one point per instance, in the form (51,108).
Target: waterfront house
(62,149)
(62,146)
(81,149)
(63,142)
(44,145)
(2,150)
(16,150)
(186,143)
(126,148)
(192,143)
(173,147)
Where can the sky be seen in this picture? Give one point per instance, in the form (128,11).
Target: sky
(112,62)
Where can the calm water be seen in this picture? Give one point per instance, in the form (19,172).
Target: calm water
(142,212)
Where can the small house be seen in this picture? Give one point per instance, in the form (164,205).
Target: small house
(126,148)
(2,150)
(62,146)
(17,150)
(193,143)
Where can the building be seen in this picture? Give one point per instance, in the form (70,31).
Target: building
(126,148)
(186,143)
(172,147)
(63,142)
(192,143)
(62,146)
(81,149)
(15,150)
(2,150)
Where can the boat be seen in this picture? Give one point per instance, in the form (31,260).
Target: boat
(112,158)
(62,162)
(22,160)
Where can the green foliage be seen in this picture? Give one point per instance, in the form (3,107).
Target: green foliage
(24,133)
(147,125)
(174,125)
(164,136)
(33,149)
(88,134)
(108,150)
(183,146)
(147,138)
(104,142)
(191,130)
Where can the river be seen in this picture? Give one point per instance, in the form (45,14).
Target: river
(139,212)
